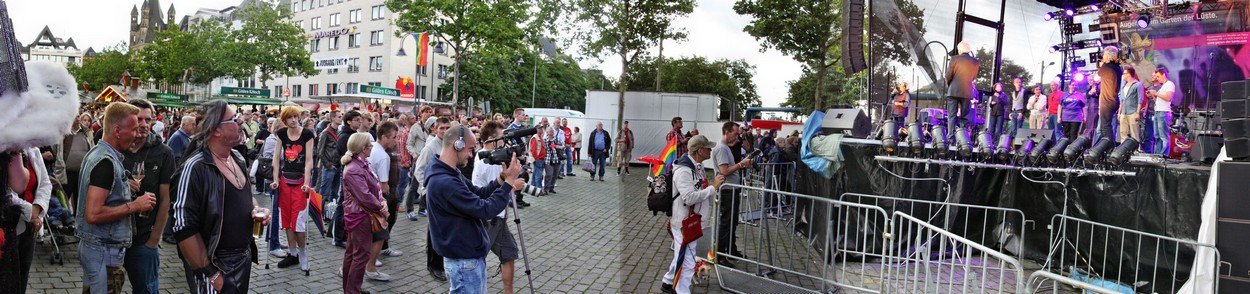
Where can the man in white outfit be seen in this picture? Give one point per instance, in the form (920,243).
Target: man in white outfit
(691,196)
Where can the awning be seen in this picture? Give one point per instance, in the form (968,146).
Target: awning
(250,100)
(172,103)
(363,96)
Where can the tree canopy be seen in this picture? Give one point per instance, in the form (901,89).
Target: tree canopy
(1010,70)
(105,69)
(730,79)
(271,43)
(802,29)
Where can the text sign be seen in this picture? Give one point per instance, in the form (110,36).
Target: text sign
(244,91)
(379,90)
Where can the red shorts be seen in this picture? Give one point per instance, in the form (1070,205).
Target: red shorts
(291,202)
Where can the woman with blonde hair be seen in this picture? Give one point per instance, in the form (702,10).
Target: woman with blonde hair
(292,178)
(75,146)
(362,203)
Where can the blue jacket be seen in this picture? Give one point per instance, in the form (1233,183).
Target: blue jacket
(458,211)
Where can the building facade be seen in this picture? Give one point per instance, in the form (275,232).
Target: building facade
(146,22)
(50,48)
(354,43)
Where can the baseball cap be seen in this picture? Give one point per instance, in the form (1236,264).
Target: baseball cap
(429,122)
(699,142)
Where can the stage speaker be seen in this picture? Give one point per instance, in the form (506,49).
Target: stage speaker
(1234,90)
(1233,108)
(852,40)
(1233,227)
(1206,148)
(851,121)
(1037,135)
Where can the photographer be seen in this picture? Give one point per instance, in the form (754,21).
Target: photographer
(501,241)
(457,210)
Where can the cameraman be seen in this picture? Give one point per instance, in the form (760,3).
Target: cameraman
(501,240)
(457,210)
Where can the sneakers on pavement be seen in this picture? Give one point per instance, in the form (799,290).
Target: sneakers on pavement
(278,252)
(424,213)
(392,252)
(377,263)
(378,276)
(412,215)
(288,261)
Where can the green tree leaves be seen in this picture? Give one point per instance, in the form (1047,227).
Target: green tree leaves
(104,69)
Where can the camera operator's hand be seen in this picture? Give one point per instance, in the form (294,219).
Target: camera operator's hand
(513,170)
(517,184)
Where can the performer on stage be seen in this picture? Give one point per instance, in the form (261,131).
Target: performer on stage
(998,102)
(1018,100)
(1162,109)
(902,100)
(1052,107)
(1133,107)
(1108,96)
(959,86)
(1072,112)
(1037,109)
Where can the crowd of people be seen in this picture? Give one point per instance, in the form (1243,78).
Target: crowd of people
(130,182)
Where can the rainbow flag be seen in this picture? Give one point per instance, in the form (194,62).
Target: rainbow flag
(668,155)
(423,47)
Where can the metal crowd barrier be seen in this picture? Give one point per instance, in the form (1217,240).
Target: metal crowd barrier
(772,176)
(939,261)
(998,227)
(1100,255)
(1062,284)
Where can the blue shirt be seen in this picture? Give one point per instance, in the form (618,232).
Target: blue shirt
(599,143)
(178,142)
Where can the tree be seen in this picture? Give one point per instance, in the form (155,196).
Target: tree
(843,89)
(467,25)
(497,76)
(166,60)
(271,43)
(105,69)
(625,28)
(1010,70)
(803,29)
(730,79)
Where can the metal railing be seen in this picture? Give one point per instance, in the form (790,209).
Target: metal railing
(998,227)
(1062,284)
(772,176)
(939,261)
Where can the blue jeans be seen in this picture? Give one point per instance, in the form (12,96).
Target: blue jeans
(466,276)
(142,267)
(540,165)
(96,261)
(330,185)
(1160,124)
(568,164)
(404,179)
(1052,123)
(996,126)
(598,161)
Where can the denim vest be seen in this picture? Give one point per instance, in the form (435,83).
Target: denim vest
(117,233)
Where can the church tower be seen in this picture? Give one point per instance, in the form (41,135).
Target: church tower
(169,22)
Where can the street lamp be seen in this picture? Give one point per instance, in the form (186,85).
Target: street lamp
(1042,74)
(534,84)
(438,48)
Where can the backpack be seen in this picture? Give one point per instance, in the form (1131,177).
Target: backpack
(660,198)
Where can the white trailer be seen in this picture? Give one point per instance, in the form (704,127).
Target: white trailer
(649,115)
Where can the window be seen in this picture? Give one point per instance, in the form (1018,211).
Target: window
(332,88)
(376,84)
(303,5)
(295,7)
(375,38)
(314,45)
(277,91)
(322,3)
(295,91)
(377,12)
(353,40)
(332,71)
(334,20)
(375,63)
(300,24)
(421,70)
(334,43)
(352,88)
(312,89)
(316,23)
(353,64)
(443,71)
(353,16)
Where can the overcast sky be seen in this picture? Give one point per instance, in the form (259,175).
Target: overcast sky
(715,31)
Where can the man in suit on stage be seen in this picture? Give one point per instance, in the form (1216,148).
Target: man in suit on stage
(960,89)
(1108,94)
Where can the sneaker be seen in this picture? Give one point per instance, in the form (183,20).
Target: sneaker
(572,175)
(412,215)
(424,213)
(288,261)
(667,288)
(278,252)
(392,252)
(340,272)
(377,263)
(378,276)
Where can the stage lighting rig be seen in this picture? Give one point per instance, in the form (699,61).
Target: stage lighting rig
(1122,153)
(889,137)
(1095,154)
(1039,151)
(1055,151)
(939,139)
(963,142)
(915,138)
(1022,154)
(1143,20)
(983,144)
(1004,147)
(1073,28)
(1075,148)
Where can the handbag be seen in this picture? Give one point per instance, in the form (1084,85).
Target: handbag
(561,154)
(691,227)
(377,221)
(588,167)
(264,171)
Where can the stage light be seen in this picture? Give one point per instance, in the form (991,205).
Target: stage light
(1055,151)
(1076,148)
(1143,21)
(983,144)
(1005,142)
(1039,151)
(1022,154)
(1093,7)
(1094,155)
(889,137)
(1054,49)
(1099,42)
(1121,153)
(939,139)
(1049,16)
(963,142)
(1079,77)
(1069,12)
(914,138)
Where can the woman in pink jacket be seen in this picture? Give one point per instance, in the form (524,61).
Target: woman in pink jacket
(362,199)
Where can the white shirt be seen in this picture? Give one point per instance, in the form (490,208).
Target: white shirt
(1165,106)
(380,163)
(433,145)
(42,193)
(684,181)
(484,174)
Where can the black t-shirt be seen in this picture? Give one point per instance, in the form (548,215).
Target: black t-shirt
(158,169)
(292,153)
(237,214)
(102,174)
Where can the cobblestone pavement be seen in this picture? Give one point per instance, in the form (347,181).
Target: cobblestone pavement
(591,237)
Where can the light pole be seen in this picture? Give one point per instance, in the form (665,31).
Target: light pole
(438,48)
(534,83)
(1041,79)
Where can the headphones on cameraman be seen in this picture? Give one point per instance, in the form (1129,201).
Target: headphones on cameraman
(459,144)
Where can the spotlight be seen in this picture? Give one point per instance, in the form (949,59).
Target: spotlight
(1076,148)
(963,142)
(915,138)
(889,139)
(1039,151)
(1069,12)
(1143,21)
(939,139)
(1053,154)
(1054,49)
(1049,16)
(1095,154)
(983,144)
(1022,155)
(1004,147)
(1121,153)
(1093,7)
(1079,77)
(1099,42)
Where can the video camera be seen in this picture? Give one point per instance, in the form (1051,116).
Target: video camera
(514,145)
